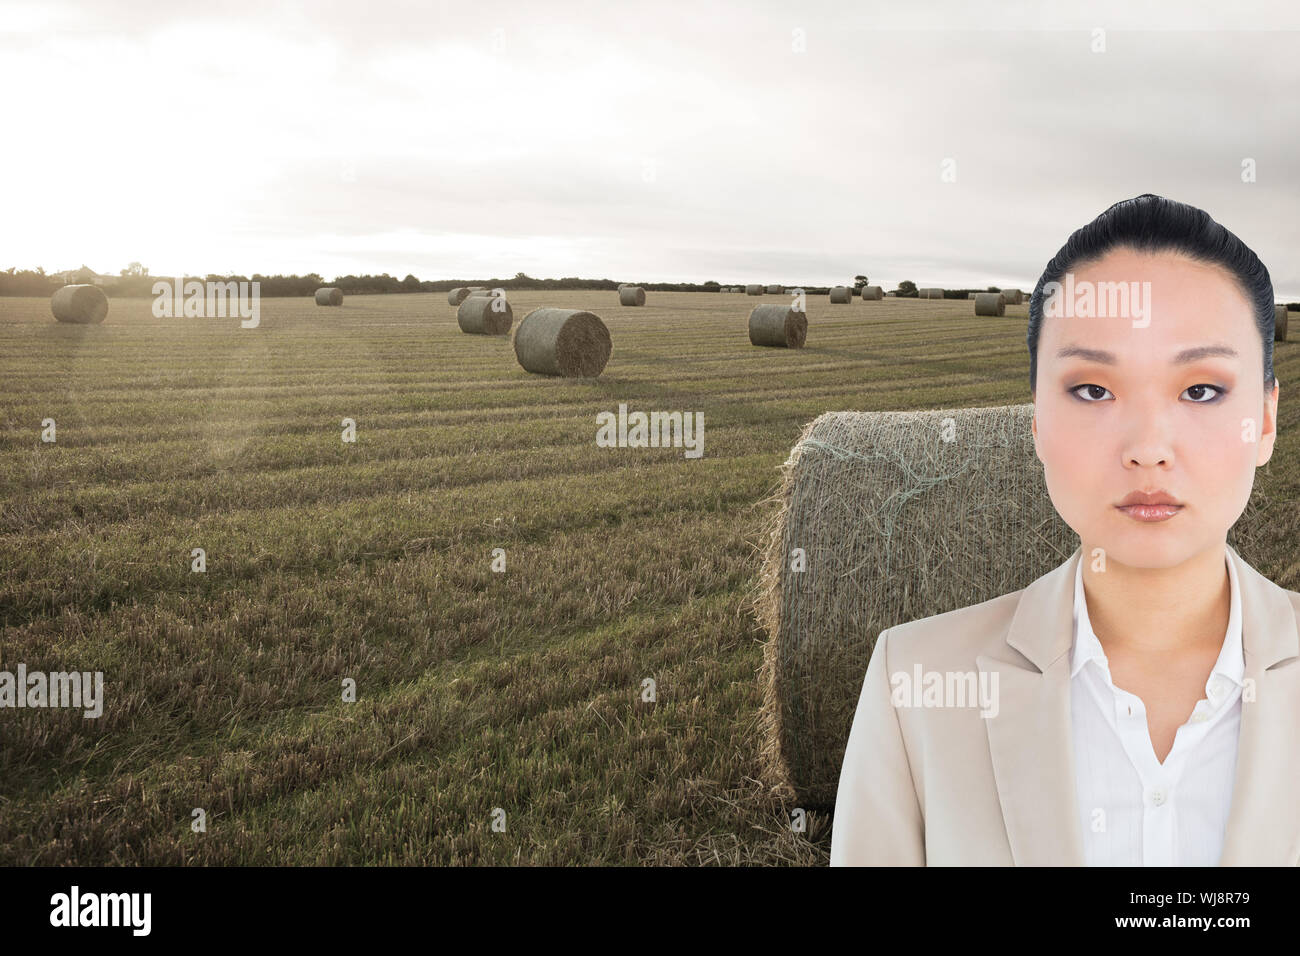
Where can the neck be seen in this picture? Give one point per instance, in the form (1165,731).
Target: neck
(1159,609)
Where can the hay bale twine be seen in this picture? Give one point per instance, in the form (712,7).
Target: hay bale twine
(1013,296)
(872,293)
(778,326)
(457,296)
(990,303)
(1279,323)
(329,296)
(80,304)
(775,290)
(753,289)
(840,295)
(930,294)
(631,295)
(896,524)
(568,342)
(485,315)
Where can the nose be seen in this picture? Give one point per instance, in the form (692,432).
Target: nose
(1149,443)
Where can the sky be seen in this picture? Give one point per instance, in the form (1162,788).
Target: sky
(956,144)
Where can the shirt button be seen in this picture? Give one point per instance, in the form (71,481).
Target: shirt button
(1218,687)
(1157,798)
(1199,717)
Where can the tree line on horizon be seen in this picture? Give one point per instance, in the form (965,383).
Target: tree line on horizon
(135,282)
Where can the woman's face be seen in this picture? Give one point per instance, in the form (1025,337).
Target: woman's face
(1152,418)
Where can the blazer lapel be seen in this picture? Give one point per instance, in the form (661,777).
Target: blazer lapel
(1264,819)
(1029,737)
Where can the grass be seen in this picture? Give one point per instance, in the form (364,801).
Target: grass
(325,560)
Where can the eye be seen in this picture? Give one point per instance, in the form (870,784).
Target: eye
(1093,398)
(1193,390)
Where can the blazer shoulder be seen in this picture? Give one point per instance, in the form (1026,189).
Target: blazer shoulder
(1294,597)
(959,635)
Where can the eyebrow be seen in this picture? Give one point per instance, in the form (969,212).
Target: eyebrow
(1185,357)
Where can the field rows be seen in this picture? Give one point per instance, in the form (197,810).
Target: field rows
(372,561)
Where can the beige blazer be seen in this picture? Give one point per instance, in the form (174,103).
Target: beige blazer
(945,786)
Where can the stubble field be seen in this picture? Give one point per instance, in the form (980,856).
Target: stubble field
(373,561)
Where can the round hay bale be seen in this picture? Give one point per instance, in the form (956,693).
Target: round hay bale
(631,295)
(568,342)
(477,288)
(840,295)
(930,293)
(1013,296)
(457,296)
(990,303)
(329,296)
(895,525)
(775,290)
(860,496)
(1279,323)
(753,289)
(81,304)
(872,293)
(778,326)
(485,315)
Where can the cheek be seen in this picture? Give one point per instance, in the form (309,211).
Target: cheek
(1067,443)
(1070,463)
(1222,448)
(1224,468)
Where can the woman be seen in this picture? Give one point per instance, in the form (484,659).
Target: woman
(1147,704)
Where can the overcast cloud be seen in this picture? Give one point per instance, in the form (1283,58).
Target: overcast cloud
(782,142)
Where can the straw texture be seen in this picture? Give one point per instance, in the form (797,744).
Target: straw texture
(778,326)
(79,304)
(990,303)
(485,315)
(566,342)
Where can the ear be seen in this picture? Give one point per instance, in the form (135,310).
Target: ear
(1033,428)
(1268,430)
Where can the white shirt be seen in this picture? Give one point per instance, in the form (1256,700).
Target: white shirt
(1135,811)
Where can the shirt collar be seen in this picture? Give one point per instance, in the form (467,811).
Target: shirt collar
(1231,663)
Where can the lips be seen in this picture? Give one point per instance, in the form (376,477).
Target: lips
(1156,505)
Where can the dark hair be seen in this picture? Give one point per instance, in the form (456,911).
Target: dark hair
(1155,224)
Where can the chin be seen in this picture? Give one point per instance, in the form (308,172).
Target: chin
(1147,546)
